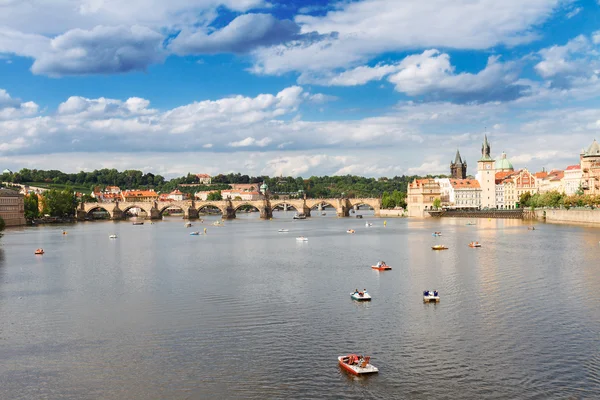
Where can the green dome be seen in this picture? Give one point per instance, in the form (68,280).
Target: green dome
(503,164)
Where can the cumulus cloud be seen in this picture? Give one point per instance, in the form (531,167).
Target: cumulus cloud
(101,50)
(352,77)
(431,75)
(103,107)
(250,141)
(241,35)
(11,108)
(366,28)
(49,17)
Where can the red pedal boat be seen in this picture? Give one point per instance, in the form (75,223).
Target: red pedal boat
(357,365)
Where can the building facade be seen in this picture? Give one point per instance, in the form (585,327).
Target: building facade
(486,175)
(421,194)
(458,168)
(466,193)
(139,195)
(525,182)
(572,179)
(12,207)
(590,169)
(203,179)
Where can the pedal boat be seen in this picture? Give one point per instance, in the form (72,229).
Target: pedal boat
(439,247)
(436,234)
(474,244)
(196,233)
(39,252)
(350,231)
(381,267)
(283,230)
(357,365)
(112,237)
(302,239)
(431,296)
(361,296)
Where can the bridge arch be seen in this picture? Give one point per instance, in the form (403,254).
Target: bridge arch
(324,203)
(130,206)
(164,208)
(90,210)
(213,206)
(289,205)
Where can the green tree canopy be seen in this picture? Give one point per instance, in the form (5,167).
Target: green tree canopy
(31,206)
(60,203)
(214,196)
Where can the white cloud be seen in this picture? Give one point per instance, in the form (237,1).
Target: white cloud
(243,34)
(560,59)
(250,141)
(352,77)
(11,108)
(356,31)
(573,12)
(101,50)
(432,75)
(50,17)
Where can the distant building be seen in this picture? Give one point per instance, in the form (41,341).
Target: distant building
(552,182)
(177,195)
(590,169)
(458,168)
(112,189)
(139,195)
(525,182)
(501,179)
(12,207)
(486,175)
(572,179)
(203,179)
(7,171)
(466,193)
(233,194)
(420,196)
(503,164)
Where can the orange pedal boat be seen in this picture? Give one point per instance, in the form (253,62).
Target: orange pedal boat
(381,268)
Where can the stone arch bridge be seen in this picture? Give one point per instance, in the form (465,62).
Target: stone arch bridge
(192,208)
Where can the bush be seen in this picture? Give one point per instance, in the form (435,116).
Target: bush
(2,224)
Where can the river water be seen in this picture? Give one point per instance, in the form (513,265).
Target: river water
(247,312)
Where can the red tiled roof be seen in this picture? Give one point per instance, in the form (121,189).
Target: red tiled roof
(464,183)
(203,175)
(541,175)
(572,167)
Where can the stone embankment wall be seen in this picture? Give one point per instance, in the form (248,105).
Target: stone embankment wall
(571,216)
(510,214)
(392,213)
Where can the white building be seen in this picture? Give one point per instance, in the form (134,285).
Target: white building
(203,179)
(177,195)
(572,179)
(466,193)
(446,191)
(238,194)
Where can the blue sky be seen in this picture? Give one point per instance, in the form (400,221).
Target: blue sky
(311,87)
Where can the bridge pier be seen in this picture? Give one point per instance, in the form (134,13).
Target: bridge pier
(266,213)
(320,207)
(154,214)
(80,215)
(285,207)
(228,211)
(117,214)
(306,210)
(191,213)
(343,211)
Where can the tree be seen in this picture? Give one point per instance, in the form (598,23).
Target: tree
(60,203)
(437,203)
(524,199)
(31,206)
(214,196)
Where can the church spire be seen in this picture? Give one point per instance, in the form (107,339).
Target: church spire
(485,150)
(457,159)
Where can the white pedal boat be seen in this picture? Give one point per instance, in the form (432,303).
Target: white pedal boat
(302,239)
(367,224)
(431,296)
(357,365)
(112,236)
(361,296)
(283,230)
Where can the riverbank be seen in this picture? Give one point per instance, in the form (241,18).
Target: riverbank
(571,216)
(392,213)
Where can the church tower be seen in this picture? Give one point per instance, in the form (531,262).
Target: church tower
(486,175)
(458,168)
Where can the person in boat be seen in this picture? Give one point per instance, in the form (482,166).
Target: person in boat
(435,293)
(426,293)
